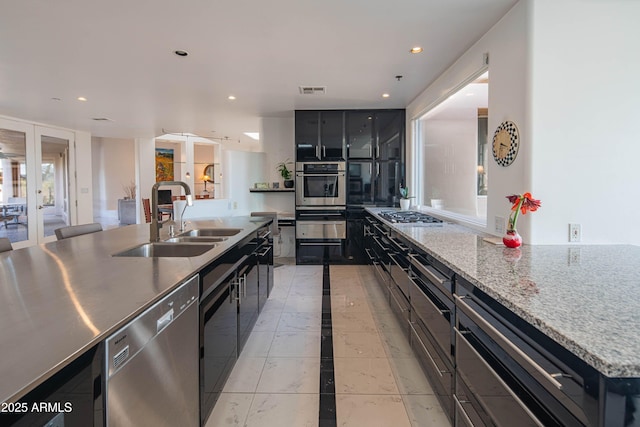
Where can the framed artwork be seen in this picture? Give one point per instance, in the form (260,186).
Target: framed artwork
(164,164)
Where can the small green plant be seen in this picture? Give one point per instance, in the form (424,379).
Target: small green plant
(284,170)
(404,193)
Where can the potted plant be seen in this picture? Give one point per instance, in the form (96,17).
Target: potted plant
(285,173)
(405,199)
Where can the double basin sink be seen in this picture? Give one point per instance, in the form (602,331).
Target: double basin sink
(188,244)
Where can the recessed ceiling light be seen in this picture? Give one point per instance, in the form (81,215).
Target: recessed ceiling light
(231,97)
(385,95)
(416,49)
(82,98)
(181,52)
(253,135)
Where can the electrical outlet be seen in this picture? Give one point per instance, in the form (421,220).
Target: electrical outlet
(499,224)
(235,205)
(575,234)
(574,256)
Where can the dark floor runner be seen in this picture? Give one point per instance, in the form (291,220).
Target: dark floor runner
(327,380)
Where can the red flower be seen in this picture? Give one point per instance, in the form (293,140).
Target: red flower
(529,204)
(521,203)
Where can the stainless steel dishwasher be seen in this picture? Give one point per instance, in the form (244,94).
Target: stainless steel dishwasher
(152,364)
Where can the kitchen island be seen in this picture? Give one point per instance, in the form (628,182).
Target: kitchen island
(60,299)
(579,302)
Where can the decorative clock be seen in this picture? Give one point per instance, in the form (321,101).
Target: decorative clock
(506,142)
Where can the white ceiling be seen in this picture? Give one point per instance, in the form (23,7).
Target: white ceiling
(119,55)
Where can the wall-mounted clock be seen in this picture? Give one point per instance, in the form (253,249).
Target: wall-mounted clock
(506,142)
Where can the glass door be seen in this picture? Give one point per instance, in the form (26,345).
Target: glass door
(16,151)
(55,185)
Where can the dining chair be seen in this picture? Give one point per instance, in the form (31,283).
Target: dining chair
(146,206)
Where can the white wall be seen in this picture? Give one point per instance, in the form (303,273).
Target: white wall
(113,166)
(241,169)
(585,105)
(507,46)
(277,135)
(450,157)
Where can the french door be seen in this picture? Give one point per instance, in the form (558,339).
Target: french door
(37,182)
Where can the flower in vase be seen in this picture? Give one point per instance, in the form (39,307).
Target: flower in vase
(521,203)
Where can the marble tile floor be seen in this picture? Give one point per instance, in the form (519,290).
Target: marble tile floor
(276,380)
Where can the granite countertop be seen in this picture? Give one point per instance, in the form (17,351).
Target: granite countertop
(59,299)
(585,297)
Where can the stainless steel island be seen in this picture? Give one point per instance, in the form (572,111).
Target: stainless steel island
(60,301)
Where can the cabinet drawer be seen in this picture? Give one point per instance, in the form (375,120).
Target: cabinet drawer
(400,306)
(399,273)
(433,313)
(437,369)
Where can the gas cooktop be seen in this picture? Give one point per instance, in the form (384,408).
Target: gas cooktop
(406,217)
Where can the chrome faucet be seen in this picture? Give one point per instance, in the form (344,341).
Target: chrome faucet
(155,226)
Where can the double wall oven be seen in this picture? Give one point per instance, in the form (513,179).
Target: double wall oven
(321,222)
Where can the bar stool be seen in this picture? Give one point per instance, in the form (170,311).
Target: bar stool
(77,230)
(5,245)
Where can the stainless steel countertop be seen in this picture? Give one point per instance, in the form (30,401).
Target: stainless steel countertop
(59,299)
(584,297)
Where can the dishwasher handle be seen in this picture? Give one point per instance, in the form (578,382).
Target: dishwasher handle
(164,321)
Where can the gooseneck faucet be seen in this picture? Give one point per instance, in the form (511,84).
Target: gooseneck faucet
(154,228)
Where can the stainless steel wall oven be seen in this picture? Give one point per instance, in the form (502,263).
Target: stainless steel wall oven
(320,234)
(320,184)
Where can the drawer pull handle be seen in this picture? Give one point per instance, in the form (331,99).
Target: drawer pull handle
(506,344)
(500,380)
(435,307)
(424,348)
(427,271)
(459,403)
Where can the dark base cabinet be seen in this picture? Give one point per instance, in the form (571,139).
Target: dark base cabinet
(233,290)
(487,365)
(319,251)
(73,397)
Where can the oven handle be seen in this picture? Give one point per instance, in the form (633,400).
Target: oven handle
(303,174)
(507,345)
(321,214)
(500,380)
(321,244)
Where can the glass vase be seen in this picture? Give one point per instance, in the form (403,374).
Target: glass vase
(512,239)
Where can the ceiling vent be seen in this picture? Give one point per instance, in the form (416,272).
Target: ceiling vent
(101,119)
(313,90)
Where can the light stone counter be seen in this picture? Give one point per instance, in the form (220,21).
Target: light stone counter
(586,298)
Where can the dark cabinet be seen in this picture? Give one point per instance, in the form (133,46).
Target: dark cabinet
(360,134)
(218,341)
(375,156)
(389,135)
(319,135)
(234,288)
(359,182)
(247,285)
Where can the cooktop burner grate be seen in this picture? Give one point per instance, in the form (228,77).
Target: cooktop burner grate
(409,217)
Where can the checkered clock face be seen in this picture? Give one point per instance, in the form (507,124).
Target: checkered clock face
(506,143)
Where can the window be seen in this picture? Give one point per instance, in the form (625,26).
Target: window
(452,153)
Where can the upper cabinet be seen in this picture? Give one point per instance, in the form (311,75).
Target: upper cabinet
(389,135)
(377,134)
(319,135)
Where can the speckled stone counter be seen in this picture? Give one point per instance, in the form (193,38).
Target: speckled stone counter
(586,298)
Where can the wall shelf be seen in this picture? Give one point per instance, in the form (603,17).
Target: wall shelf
(272,190)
